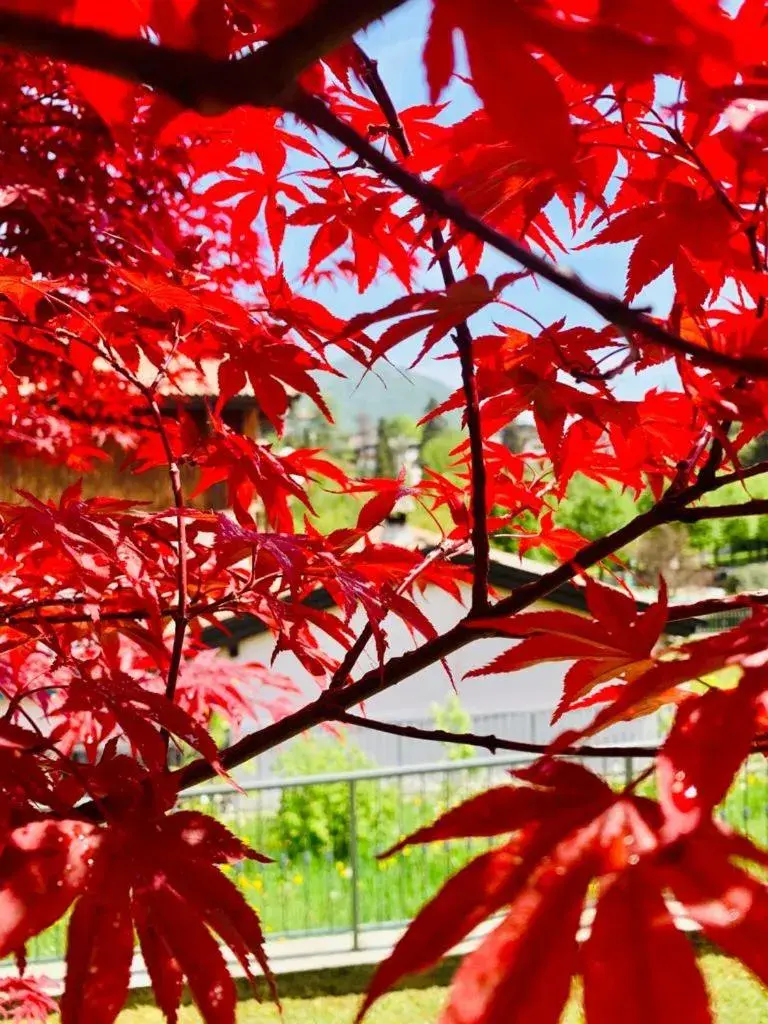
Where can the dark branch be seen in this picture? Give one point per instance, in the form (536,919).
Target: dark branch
(181,615)
(491,743)
(265,78)
(716,606)
(378,679)
(756,507)
(341,675)
(31,613)
(740,475)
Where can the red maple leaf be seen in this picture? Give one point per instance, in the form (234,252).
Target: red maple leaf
(618,642)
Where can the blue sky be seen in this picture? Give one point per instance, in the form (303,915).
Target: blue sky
(396,43)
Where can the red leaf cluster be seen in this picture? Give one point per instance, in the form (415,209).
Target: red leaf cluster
(194,196)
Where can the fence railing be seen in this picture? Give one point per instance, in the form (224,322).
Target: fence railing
(744,552)
(324,833)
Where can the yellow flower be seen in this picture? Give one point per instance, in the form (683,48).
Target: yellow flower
(297,879)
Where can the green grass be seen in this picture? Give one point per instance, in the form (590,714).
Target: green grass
(736,996)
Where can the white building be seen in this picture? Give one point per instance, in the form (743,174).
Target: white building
(516,706)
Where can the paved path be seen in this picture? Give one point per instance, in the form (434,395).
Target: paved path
(286,956)
(315,953)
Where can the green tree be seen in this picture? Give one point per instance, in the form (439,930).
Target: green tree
(404,428)
(513,438)
(385,458)
(592,509)
(713,534)
(454,717)
(436,453)
(432,427)
(756,451)
(307,427)
(315,819)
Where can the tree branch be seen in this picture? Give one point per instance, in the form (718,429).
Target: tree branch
(740,475)
(341,675)
(488,742)
(329,704)
(181,614)
(264,78)
(314,112)
(267,78)
(692,153)
(716,606)
(19,615)
(755,507)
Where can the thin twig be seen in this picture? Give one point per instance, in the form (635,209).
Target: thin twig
(739,475)
(464,344)
(722,196)
(496,743)
(351,658)
(17,615)
(181,615)
(488,742)
(755,507)
(716,606)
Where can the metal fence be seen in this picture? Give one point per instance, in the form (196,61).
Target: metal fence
(324,833)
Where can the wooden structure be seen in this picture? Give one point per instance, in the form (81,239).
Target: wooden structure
(193,389)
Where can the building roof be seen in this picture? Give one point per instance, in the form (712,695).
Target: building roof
(507,571)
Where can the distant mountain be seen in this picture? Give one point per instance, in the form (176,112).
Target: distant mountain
(389,391)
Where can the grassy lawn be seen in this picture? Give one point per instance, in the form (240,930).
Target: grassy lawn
(737,997)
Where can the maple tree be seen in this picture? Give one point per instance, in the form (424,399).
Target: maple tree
(160,157)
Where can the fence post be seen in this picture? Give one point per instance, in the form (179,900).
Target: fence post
(354,865)
(629,769)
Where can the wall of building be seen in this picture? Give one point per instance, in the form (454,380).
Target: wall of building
(517,706)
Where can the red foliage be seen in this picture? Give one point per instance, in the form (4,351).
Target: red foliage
(164,162)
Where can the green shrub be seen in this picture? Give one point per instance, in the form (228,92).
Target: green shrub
(315,819)
(454,717)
